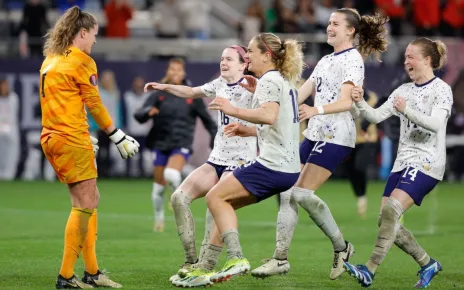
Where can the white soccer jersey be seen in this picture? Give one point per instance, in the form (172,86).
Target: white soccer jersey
(418,147)
(231,151)
(330,73)
(278,143)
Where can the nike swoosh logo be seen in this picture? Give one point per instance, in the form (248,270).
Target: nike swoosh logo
(279,264)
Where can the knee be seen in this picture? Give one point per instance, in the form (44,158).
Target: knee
(309,199)
(211,199)
(172,176)
(179,197)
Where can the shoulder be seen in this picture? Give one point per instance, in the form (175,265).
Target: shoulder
(80,59)
(442,85)
(272,77)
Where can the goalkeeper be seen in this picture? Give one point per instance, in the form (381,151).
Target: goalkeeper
(68,81)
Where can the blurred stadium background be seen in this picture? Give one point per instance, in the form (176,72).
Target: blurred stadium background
(137,38)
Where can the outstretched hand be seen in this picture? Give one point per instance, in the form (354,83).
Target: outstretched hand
(250,83)
(154,86)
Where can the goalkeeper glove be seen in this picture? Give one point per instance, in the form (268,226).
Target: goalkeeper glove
(127,145)
(94,142)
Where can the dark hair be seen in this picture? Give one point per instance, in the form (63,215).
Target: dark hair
(437,51)
(287,55)
(62,34)
(171,61)
(370,30)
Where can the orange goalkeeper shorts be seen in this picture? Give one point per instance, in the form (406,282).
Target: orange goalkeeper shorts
(71,164)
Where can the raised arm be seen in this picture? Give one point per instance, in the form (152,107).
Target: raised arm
(372,115)
(178,90)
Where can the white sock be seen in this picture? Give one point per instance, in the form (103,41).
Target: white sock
(287,219)
(320,213)
(173,177)
(157,196)
(185,224)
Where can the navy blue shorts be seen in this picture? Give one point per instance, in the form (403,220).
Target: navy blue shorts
(220,169)
(415,183)
(323,154)
(263,182)
(161,157)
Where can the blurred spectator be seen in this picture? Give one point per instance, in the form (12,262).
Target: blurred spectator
(306,16)
(253,22)
(108,158)
(426,14)
(196,14)
(133,100)
(396,10)
(285,19)
(118,13)
(167,17)
(33,26)
(365,6)
(171,137)
(323,11)
(9,131)
(64,5)
(453,18)
(362,156)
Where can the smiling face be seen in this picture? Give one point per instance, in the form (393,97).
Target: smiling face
(256,58)
(339,31)
(175,73)
(415,63)
(230,65)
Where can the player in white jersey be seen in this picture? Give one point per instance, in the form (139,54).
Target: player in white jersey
(423,106)
(279,65)
(228,153)
(331,133)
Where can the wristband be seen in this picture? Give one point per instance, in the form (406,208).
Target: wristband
(320,110)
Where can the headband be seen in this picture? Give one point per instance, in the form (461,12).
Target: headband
(267,48)
(242,52)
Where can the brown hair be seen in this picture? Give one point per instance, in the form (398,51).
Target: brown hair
(62,34)
(241,50)
(370,30)
(287,55)
(171,61)
(437,51)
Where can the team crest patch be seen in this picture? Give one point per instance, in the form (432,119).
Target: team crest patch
(94,79)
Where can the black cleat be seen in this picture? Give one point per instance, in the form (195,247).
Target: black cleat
(71,283)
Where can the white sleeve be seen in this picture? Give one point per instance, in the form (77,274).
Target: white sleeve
(378,115)
(209,89)
(268,91)
(433,122)
(353,71)
(444,99)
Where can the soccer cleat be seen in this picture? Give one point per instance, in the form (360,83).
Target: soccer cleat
(159,226)
(100,280)
(427,273)
(196,278)
(71,283)
(184,270)
(361,273)
(339,258)
(233,267)
(270,268)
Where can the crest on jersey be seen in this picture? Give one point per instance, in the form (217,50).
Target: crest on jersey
(94,79)
(425,99)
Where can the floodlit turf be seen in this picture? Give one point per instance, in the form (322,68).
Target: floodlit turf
(33,216)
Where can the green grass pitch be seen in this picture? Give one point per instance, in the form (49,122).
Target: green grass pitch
(33,216)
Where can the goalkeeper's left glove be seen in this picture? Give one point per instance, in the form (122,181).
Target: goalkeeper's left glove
(94,142)
(127,145)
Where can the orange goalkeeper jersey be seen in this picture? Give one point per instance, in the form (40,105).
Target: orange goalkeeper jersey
(68,83)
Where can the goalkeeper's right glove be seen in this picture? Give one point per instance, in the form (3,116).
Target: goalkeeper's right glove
(127,145)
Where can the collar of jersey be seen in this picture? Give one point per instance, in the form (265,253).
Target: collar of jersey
(234,84)
(343,51)
(426,83)
(267,72)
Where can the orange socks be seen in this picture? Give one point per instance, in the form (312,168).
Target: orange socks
(88,251)
(74,236)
